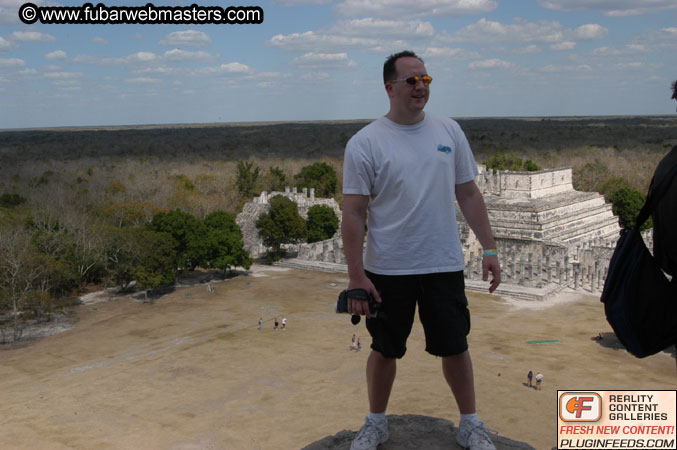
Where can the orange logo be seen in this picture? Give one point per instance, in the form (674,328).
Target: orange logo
(580,407)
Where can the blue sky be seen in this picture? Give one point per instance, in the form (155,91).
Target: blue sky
(322,60)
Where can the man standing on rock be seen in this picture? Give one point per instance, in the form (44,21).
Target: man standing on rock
(405,170)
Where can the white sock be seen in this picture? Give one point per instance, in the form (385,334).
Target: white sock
(471,417)
(379,418)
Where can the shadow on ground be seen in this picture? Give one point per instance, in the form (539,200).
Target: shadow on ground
(609,340)
(414,432)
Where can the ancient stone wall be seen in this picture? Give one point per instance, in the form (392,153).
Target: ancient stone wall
(547,233)
(251,211)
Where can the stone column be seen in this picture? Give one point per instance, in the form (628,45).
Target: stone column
(575,269)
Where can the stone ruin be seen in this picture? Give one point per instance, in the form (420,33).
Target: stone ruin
(549,236)
(252,210)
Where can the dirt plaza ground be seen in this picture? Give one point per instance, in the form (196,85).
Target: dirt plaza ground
(193,371)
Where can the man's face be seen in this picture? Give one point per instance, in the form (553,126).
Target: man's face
(403,96)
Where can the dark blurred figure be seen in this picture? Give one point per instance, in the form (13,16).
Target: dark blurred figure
(665,214)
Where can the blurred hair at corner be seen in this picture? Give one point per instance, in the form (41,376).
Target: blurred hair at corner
(665,214)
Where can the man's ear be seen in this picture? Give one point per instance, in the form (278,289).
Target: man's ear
(389,89)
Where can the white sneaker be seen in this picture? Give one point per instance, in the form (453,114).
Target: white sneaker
(474,436)
(370,435)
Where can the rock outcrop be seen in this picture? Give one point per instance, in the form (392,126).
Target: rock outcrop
(414,432)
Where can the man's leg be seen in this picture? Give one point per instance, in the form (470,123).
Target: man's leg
(380,378)
(458,372)
(471,434)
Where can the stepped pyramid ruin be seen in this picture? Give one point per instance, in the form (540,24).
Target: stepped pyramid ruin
(548,235)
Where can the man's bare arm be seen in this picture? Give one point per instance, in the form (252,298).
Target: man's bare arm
(353,231)
(474,210)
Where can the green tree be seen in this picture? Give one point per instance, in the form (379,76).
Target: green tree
(627,203)
(530,166)
(227,244)
(611,185)
(508,161)
(276,179)
(282,224)
(187,232)
(22,277)
(247,176)
(11,200)
(156,263)
(320,176)
(322,223)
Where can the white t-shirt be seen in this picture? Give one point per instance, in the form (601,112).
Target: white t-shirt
(410,173)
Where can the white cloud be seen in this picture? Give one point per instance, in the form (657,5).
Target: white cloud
(142,80)
(447,52)
(323,61)
(565,45)
(493,63)
(317,41)
(528,49)
(5,44)
(551,68)
(142,57)
(383,28)
(491,31)
(590,31)
(612,8)
(62,75)
(31,36)
(235,67)
(11,62)
(135,58)
(225,69)
(56,54)
(190,38)
(9,11)
(99,40)
(301,2)
(315,76)
(183,55)
(162,70)
(408,8)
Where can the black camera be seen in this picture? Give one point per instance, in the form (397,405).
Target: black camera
(360,294)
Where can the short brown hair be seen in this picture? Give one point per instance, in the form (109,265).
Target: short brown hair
(389,71)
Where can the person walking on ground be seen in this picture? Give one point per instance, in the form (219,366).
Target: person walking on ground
(539,379)
(277,324)
(260,323)
(404,171)
(284,323)
(530,375)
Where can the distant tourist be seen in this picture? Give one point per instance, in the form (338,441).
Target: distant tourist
(539,380)
(403,172)
(284,323)
(530,376)
(277,324)
(260,323)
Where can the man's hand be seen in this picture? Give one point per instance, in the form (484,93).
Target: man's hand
(361,307)
(490,264)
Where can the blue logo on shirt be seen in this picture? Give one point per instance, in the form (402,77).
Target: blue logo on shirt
(444,148)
